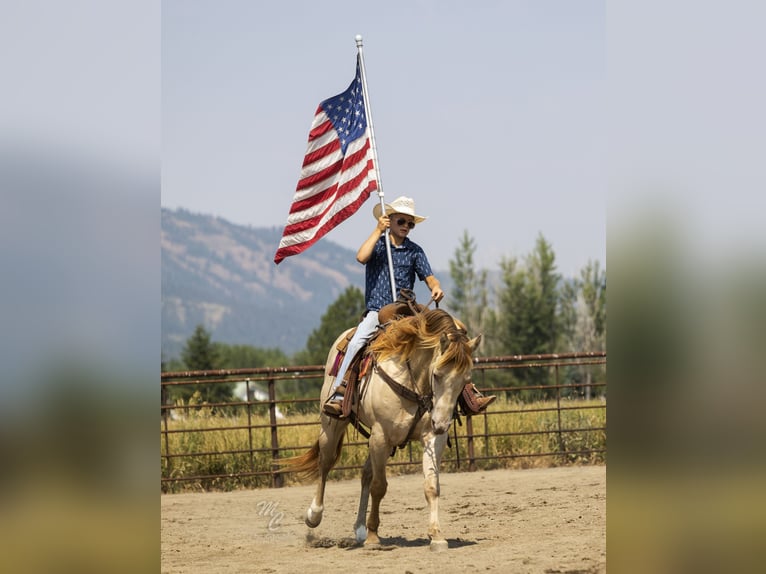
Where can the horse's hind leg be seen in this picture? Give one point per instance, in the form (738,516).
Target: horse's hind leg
(360,530)
(433,447)
(330,443)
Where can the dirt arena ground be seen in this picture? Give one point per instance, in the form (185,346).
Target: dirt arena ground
(548,520)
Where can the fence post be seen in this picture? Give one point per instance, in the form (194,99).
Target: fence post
(486,433)
(457,444)
(248,397)
(558,410)
(164,398)
(469,443)
(276,478)
(486,419)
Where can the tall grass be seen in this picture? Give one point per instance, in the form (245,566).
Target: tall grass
(523,435)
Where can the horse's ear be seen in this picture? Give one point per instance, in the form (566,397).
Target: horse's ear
(474,343)
(444,341)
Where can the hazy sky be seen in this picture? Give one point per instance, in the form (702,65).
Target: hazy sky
(491,115)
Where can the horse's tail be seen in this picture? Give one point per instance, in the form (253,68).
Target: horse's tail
(306,465)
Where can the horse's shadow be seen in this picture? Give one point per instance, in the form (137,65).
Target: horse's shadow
(401,542)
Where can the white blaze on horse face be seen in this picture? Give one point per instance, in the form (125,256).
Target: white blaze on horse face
(446,391)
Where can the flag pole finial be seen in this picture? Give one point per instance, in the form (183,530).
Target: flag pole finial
(358,39)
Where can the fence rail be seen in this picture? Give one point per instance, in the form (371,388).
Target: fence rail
(254,461)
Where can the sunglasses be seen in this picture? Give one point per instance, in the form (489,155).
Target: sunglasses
(403,221)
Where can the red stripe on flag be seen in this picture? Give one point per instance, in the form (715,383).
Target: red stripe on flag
(319,176)
(347,188)
(322,128)
(339,217)
(321,152)
(341,165)
(314,200)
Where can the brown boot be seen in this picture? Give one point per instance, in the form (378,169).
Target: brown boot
(474,402)
(333,407)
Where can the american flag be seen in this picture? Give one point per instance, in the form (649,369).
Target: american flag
(338,171)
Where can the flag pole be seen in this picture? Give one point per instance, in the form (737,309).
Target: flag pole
(368,112)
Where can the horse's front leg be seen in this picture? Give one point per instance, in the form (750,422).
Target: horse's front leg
(378,456)
(360,530)
(433,447)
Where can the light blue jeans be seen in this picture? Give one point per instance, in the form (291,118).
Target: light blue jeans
(364,331)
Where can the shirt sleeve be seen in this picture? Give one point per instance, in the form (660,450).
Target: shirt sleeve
(422,266)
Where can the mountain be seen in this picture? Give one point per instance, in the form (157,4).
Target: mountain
(223,276)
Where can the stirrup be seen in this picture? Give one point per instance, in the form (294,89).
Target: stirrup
(474,401)
(333,408)
(483,402)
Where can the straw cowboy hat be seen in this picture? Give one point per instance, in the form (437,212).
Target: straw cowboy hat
(405,205)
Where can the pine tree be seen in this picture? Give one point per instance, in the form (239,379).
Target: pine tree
(594,296)
(583,314)
(200,354)
(468,300)
(528,322)
(583,310)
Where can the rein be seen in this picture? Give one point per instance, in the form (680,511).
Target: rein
(425,402)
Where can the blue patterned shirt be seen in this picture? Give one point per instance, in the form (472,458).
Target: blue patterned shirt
(409,260)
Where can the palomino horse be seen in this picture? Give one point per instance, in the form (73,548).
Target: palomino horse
(421,365)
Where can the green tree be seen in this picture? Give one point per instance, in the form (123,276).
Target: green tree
(249,357)
(528,322)
(583,319)
(198,353)
(593,281)
(201,354)
(469,298)
(171,365)
(345,312)
(583,310)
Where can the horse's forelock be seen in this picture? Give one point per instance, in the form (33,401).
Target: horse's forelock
(458,352)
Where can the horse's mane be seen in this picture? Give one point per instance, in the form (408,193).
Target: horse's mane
(424,331)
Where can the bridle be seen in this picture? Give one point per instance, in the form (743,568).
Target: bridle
(424,402)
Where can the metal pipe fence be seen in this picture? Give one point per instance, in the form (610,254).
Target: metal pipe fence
(238,443)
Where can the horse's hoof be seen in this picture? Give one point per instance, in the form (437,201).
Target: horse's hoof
(313,518)
(439,545)
(360,532)
(311,524)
